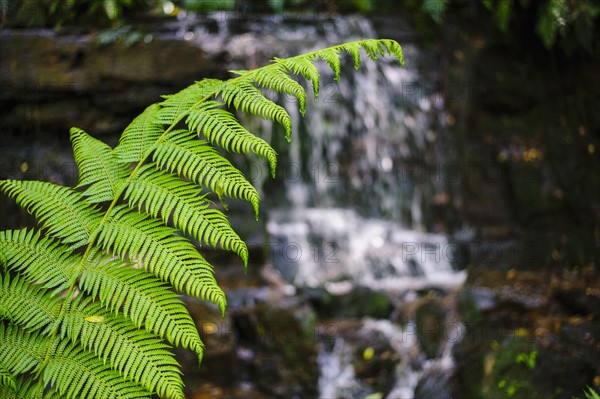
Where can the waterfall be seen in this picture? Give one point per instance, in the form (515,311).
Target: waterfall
(353,202)
(356,187)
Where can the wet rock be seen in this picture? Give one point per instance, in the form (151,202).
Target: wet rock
(357,303)
(276,347)
(265,347)
(579,301)
(220,341)
(469,351)
(525,343)
(430,318)
(58,81)
(513,369)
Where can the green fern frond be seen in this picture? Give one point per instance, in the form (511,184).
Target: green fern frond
(27,305)
(134,353)
(332,56)
(144,299)
(354,50)
(373,48)
(393,49)
(176,106)
(305,67)
(88,302)
(78,374)
(199,162)
(166,196)
(278,80)
(139,137)
(98,167)
(245,97)
(21,351)
(8,381)
(140,357)
(221,127)
(64,212)
(38,259)
(25,388)
(170,257)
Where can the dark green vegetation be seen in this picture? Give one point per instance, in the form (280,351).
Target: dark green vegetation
(526,115)
(527,132)
(567,23)
(92,294)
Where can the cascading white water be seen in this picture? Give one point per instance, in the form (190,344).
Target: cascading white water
(339,250)
(359,178)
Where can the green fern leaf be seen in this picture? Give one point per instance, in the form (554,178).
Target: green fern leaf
(221,127)
(164,195)
(8,381)
(139,137)
(40,260)
(61,210)
(176,106)
(135,354)
(28,389)
(78,374)
(354,50)
(199,162)
(21,351)
(140,357)
(143,298)
(170,257)
(304,66)
(98,167)
(29,306)
(393,49)
(332,56)
(87,301)
(374,49)
(279,81)
(245,97)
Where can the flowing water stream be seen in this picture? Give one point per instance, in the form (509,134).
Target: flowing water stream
(363,200)
(362,182)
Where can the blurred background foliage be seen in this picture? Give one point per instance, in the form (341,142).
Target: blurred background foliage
(570,24)
(521,93)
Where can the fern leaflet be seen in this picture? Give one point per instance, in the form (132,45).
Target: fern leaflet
(200,163)
(161,194)
(144,299)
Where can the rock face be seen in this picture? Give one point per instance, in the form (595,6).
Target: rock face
(52,82)
(527,336)
(264,347)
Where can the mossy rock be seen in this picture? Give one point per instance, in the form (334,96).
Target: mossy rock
(431,327)
(513,371)
(359,302)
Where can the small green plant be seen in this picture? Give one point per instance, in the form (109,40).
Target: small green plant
(58,13)
(89,301)
(591,394)
(528,359)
